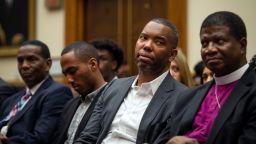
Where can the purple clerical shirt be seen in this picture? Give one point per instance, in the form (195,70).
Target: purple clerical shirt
(209,110)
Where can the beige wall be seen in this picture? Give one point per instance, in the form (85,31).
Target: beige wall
(199,9)
(50,29)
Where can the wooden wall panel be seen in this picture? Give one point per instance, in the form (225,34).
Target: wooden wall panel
(121,20)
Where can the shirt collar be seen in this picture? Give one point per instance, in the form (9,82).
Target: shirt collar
(91,95)
(115,77)
(234,76)
(154,84)
(36,87)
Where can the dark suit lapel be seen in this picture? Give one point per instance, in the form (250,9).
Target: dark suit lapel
(240,90)
(30,103)
(88,114)
(117,101)
(193,107)
(123,91)
(157,101)
(8,108)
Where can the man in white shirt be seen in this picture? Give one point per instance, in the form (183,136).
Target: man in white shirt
(134,109)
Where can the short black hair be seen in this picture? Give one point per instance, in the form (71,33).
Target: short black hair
(83,50)
(229,19)
(165,22)
(45,52)
(111,47)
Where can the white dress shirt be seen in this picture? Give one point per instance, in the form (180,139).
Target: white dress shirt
(125,125)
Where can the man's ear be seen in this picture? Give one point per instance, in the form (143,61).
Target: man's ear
(93,64)
(173,54)
(48,63)
(243,42)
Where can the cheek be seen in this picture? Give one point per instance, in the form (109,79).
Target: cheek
(175,75)
(163,54)
(137,47)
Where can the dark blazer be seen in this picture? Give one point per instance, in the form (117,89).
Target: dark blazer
(67,115)
(5,91)
(235,122)
(37,121)
(153,120)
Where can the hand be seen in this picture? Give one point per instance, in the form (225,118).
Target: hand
(182,140)
(2,138)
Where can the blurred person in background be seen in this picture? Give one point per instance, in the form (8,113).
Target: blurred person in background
(207,75)
(110,58)
(179,69)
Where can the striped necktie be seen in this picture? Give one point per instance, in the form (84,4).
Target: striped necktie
(19,106)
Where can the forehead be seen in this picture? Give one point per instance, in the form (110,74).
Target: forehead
(103,52)
(29,50)
(214,31)
(68,57)
(158,29)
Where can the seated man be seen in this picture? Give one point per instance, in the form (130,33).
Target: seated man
(31,115)
(79,62)
(135,109)
(222,111)
(110,58)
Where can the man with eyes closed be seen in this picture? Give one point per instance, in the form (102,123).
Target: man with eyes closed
(79,63)
(134,109)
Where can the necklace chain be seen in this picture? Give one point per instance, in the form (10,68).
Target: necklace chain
(216,96)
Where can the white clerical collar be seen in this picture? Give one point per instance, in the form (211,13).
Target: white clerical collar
(234,76)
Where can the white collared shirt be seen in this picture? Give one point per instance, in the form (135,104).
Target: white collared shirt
(125,125)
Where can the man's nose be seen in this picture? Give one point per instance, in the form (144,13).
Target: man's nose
(70,79)
(148,45)
(25,64)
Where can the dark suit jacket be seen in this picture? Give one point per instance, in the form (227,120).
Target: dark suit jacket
(67,115)
(5,91)
(153,120)
(235,122)
(37,121)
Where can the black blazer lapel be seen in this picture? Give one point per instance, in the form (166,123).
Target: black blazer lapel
(192,109)
(88,114)
(113,106)
(156,103)
(30,103)
(240,90)
(6,109)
